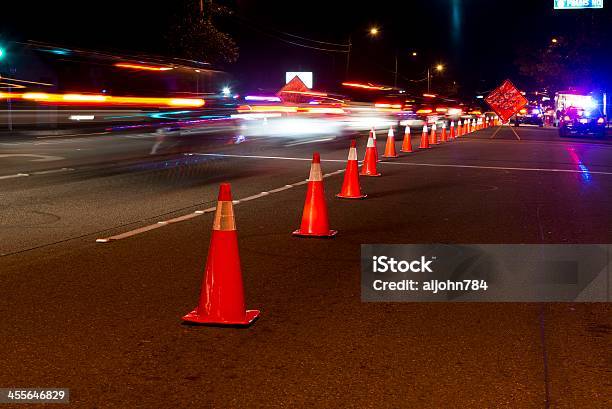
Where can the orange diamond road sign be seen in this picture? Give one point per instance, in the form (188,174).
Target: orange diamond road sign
(506,100)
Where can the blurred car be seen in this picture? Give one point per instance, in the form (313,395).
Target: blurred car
(530,115)
(582,121)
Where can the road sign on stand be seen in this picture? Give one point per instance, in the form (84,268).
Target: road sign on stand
(506,100)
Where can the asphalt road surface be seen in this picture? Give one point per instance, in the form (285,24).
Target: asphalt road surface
(103,319)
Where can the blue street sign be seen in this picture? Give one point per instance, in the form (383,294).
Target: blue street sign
(578,4)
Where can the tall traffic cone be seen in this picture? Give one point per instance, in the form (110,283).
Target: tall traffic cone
(443,135)
(451,134)
(424,138)
(390,146)
(433,139)
(465,127)
(407,142)
(222,294)
(350,186)
(373,132)
(314,216)
(459,128)
(368,168)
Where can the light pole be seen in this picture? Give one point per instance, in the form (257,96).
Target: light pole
(438,68)
(395,78)
(373,32)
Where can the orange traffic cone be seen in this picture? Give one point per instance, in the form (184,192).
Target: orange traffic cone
(350,186)
(443,135)
(368,168)
(222,294)
(314,216)
(373,132)
(390,146)
(407,143)
(424,139)
(451,134)
(465,127)
(433,139)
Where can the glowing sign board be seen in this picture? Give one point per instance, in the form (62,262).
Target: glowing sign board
(306,77)
(578,4)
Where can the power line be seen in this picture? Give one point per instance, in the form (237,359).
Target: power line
(253,27)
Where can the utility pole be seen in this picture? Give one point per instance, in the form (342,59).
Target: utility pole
(348,57)
(395,79)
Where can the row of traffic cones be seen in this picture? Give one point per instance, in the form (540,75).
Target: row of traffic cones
(222,300)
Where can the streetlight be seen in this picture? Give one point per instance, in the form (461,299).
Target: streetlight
(554,41)
(414,54)
(439,68)
(372,31)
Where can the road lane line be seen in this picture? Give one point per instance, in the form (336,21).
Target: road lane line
(130,233)
(16,175)
(41,158)
(72,135)
(209,210)
(224,155)
(204,211)
(48,172)
(438,165)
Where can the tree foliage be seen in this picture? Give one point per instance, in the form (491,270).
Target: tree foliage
(194,35)
(563,64)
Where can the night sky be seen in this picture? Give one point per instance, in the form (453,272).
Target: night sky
(477,41)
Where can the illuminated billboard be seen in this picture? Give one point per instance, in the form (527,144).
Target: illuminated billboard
(306,77)
(578,4)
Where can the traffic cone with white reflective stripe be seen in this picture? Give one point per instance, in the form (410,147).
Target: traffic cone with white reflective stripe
(222,293)
(424,139)
(368,168)
(443,134)
(350,186)
(433,139)
(314,217)
(390,146)
(451,134)
(407,142)
(373,133)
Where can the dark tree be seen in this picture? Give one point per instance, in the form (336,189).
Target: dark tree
(193,33)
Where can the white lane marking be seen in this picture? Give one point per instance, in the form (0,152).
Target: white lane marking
(223,155)
(210,209)
(48,172)
(204,211)
(408,164)
(310,141)
(72,135)
(41,158)
(16,175)
(497,168)
(130,233)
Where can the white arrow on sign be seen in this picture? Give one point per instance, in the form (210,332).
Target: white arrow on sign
(41,158)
